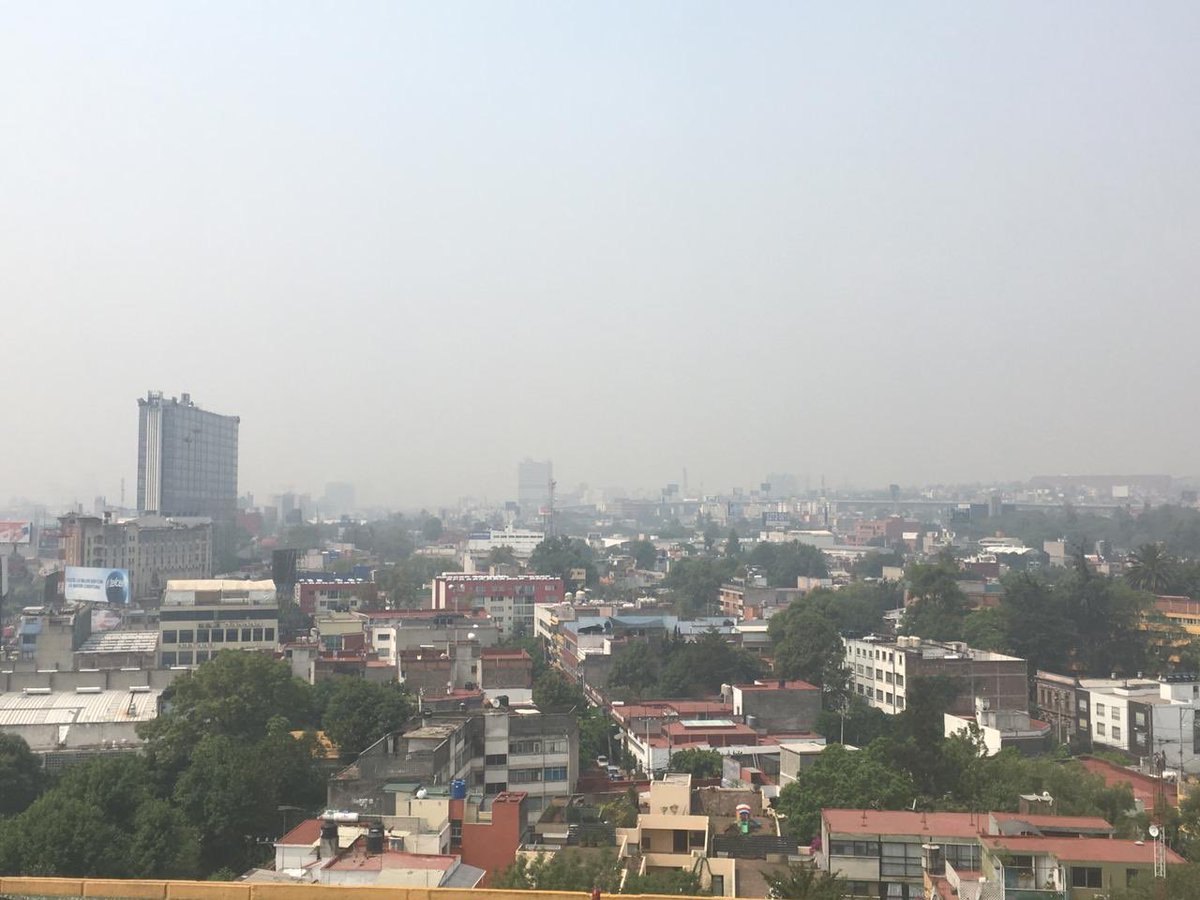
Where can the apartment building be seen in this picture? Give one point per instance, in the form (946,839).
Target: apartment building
(153,549)
(334,594)
(906,855)
(490,751)
(509,600)
(1144,718)
(668,837)
(200,618)
(882,670)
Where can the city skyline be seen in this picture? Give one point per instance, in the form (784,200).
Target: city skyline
(942,243)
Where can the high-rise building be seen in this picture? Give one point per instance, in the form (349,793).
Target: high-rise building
(533,487)
(187,459)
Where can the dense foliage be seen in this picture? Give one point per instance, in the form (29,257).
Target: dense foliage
(574,870)
(696,762)
(679,668)
(205,795)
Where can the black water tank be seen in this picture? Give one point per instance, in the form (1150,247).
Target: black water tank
(375,839)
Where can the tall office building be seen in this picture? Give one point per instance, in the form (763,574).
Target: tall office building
(187,459)
(533,487)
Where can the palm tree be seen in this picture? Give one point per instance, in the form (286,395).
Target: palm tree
(1150,568)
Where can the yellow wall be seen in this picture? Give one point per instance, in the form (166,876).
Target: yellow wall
(100,889)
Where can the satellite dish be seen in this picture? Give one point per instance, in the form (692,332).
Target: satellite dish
(1153,831)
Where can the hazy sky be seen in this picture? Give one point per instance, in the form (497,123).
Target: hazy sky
(411,244)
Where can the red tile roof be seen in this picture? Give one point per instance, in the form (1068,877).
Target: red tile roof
(1058,823)
(1145,787)
(1070,849)
(874,821)
(305,834)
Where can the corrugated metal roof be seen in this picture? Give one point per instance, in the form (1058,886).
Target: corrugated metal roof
(68,707)
(121,642)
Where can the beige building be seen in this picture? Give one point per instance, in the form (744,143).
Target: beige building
(668,837)
(200,618)
(153,549)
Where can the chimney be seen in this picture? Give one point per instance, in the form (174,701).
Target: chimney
(328,847)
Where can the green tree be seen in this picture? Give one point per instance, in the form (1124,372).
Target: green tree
(357,712)
(126,831)
(695,584)
(502,556)
(21,775)
(804,882)
(1181,883)
(432,529)
(555,692)
(559,555)
(645,554)
(407,582)
(785,563)
(806,645)
(733,544)
(1151,569)
(531,645)
(857,723)
(566,870)
(635,671)
(236,695)
(696,762)
(845,779)
(938,609)
(671,881)
(232,789)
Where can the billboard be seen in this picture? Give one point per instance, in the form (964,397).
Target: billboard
(96,585)
(774,519)
(16,532)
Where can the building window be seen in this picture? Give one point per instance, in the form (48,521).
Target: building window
(269,634)
(555,773)
(246,635)
(217,637)
(202,636)
(185,657)
(187,636)
(495,787)
(879,695)
(1100,729)
(524,776)
(201,656)
(496,759)
(899,680)
(1116,732)
(1085,877)
(168,660)
(257,635)
(1115,712)
(868,849)
(1099,709)
(901,859)
(170,637)
(231,635)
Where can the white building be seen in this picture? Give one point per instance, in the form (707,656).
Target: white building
(1143,717)
(198,619)
(522,542)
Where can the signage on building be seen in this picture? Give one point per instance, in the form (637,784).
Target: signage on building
(96,585)
(16,532)
(776,518)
